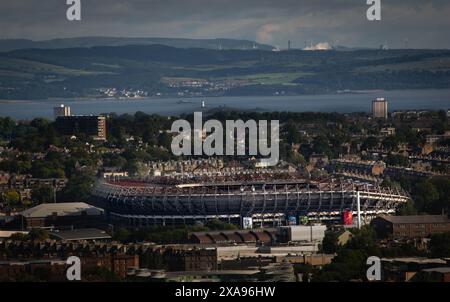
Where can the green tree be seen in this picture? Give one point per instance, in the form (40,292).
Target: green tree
(407,209)
(370,143)
(397,160)
(322,146)
(425,195)
(38,235)
(440,245)
(330,244)
(217,225)
(122,235)
(364,239)
(348,265)
(19,237)
(79,187)
(390,143)
(295,158)
(42,194)
(350,261)
(11,198)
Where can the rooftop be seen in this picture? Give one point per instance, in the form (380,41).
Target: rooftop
(417,260)
(61,209)
(213,273)
(417,219)
(34,261)
(442,270)
(80,234)
(7,234)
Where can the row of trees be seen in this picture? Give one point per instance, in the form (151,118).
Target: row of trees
(429,195)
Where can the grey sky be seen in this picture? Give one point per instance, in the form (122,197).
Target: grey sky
(424,23)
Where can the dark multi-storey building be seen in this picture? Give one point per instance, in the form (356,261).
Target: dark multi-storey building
(91,125)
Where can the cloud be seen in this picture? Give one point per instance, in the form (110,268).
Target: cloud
(265,32)
(422,22)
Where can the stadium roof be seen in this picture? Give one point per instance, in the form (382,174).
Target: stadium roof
(61,209)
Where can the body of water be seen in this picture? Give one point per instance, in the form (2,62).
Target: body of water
(342,103)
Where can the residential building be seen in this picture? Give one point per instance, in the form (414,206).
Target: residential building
(12,270)
(4,178)
(435,138)
(113,173)
(119,264)
(204,259)
(388,131)
(380,108)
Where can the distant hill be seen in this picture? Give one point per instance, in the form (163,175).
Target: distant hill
(159,70)
(14,44)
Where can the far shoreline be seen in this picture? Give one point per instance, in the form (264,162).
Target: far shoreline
(340,92)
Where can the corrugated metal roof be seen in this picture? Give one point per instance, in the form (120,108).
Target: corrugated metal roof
(202,238)
(234,237)
(262,236)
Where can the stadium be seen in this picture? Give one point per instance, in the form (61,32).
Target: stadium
(154,202)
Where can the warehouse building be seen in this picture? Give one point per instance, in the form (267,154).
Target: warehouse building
(411,226)
(72,214)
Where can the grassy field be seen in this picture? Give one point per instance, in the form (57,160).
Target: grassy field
(431,64)
(268,78)
(26,68)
